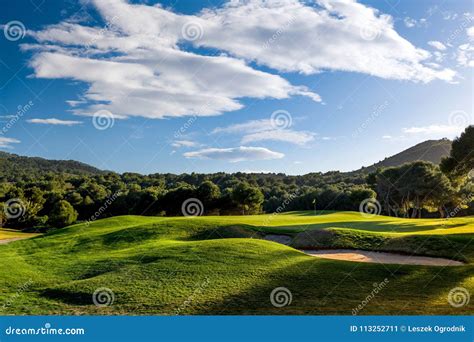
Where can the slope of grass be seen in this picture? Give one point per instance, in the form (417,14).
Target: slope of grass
(219,265)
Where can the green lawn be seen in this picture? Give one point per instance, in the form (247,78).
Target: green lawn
(220,265)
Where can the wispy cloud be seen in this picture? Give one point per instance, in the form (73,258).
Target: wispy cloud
(7,142)
(235,154)
(184,143)
(265,130)
(437,45)
(448,131)
(54,121)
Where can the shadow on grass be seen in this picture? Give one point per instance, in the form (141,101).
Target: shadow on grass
(321,287)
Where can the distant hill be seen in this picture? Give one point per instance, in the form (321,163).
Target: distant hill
(14,164)
(430,150)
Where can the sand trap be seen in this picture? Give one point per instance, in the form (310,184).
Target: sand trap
(381,257)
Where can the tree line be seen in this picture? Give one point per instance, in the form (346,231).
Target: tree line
(45,198)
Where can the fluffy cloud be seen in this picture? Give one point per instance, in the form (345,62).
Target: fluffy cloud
(437,45)
(136,65)
(53,121)
(266,130)
(235,154)
(7,142)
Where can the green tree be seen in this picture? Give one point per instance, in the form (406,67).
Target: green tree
(249,198)
(461,158)
(63,214)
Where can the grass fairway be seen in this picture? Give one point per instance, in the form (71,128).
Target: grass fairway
(220,265)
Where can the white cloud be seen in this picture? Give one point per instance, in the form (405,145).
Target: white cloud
(54,121)
(136,66)
(235,154)
(470,32)
(285,135)
(437,45)
(437,130)
(409,22)
(465,55)
(265,130)
(7,142)
(184,143)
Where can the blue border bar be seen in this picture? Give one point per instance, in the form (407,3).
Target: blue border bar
(238,328)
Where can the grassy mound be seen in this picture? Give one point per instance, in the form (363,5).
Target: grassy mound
(221,265)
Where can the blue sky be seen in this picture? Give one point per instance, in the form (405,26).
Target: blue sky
(180,86)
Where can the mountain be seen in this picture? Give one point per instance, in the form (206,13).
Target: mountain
(11,164)
(430,150)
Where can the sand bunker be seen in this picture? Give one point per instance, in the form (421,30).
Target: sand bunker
(381,257)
